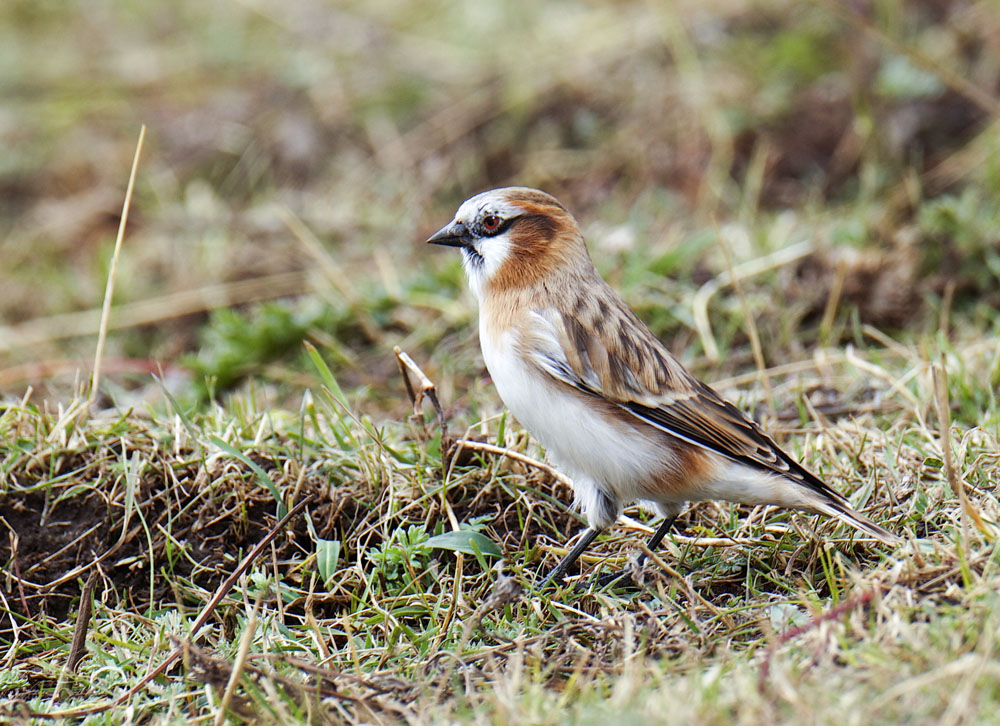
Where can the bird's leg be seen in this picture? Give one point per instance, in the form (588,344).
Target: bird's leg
(625,579)
(665,526)
(557,573)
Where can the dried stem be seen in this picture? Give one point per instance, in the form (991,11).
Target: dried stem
(109,290)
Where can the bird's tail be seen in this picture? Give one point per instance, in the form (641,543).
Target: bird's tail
(839,508)
(822,498)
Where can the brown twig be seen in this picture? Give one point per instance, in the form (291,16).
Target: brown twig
(831,614)
(16,565)
(957,82)
(241,659)
(333,272)
(42,370)
(155,309)
(427,389)
(511,454)
(699,305)
(506,590)
(82,624)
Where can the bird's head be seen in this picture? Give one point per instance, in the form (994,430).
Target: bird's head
(511,237)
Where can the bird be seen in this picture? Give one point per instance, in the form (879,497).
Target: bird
(614,410)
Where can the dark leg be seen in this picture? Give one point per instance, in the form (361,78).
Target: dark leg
(623,577)
(665,526)
(557,573)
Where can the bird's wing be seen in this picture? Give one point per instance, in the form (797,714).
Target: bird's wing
(616,358)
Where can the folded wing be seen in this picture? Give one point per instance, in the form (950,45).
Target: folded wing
(622,362)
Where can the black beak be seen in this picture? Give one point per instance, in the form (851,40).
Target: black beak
(452,235)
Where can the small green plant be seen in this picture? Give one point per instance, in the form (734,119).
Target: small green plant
(11,679)
(406,548)
(962,240)
(236,344)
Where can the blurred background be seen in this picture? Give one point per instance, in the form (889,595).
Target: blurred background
(298,154)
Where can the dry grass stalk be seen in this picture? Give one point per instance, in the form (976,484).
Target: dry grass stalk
(333,271)
(155,309)
(109,291)
(426,389)
(249,629)
(969,512)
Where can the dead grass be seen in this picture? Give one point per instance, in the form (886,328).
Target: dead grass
(161,510)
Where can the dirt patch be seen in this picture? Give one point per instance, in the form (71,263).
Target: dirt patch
(192,522)
(188,528)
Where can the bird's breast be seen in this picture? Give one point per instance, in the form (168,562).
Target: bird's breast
(581,434)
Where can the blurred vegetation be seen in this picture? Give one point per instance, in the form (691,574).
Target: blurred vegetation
(853,126)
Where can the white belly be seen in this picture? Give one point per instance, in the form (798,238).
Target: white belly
(597,453)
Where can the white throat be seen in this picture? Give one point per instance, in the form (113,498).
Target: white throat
(482,263)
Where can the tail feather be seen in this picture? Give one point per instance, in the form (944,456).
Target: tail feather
(831,502)
(842,511)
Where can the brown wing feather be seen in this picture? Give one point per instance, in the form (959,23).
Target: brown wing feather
(622,361)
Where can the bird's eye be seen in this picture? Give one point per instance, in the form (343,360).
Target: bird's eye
(491,223)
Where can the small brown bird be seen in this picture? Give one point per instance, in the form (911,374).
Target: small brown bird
(613,408)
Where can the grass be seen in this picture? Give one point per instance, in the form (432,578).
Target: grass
(362,616)
(841,165)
